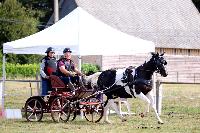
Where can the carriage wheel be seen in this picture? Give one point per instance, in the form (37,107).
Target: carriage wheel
(94,111)
(33,110)
(73,112)
(60,109)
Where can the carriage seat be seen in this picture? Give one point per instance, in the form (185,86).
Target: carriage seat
(56,82)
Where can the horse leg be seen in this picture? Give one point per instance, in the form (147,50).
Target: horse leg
(127,105)
(148,95)
(153,105)
(144,98)
(114,106)
(106,113)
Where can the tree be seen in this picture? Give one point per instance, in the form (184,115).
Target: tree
(40,9)
(16,23)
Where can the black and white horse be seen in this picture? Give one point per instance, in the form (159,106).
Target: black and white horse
(131,82)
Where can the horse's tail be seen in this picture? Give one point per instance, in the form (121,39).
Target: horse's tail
(91,80)
(93,76)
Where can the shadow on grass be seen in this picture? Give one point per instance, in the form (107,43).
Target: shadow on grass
(75,122)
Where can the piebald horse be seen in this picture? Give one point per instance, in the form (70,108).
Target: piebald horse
(128,83)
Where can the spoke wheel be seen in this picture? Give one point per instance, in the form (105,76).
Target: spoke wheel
(60,110)
(33,110)
(93,111)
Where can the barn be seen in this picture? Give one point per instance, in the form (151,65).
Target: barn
(172,25)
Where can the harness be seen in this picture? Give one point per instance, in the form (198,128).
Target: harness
(138,80)
(124,79)
(129,84)
(107,89)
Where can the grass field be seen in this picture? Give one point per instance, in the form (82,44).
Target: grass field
(180,113)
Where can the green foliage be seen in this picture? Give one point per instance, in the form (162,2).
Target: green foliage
(40,9)
(1,57)
(88,68)
(30,70)
(16,22)
(20,18)
(196,1)
(17,70)
(24,59)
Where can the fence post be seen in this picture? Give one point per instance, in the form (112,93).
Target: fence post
(31,88)
(154,88)
(159,97)
(38,84)
(1,100)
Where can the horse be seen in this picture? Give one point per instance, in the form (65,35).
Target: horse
(90,80)
(131,83)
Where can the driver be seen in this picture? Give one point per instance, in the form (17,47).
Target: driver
(47,67)
(68,72)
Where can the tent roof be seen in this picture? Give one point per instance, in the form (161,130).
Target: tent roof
(84,34)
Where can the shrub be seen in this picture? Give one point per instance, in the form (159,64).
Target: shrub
(90,68)
(30,70)
(17,70)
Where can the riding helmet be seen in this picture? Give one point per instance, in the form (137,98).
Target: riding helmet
(50,49)
(67,50)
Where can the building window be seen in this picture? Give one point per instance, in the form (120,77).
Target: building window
(197,4)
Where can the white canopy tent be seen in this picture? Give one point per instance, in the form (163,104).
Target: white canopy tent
(84,34)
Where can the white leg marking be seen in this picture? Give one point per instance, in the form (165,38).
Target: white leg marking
(127,104)
(114,106)
(106,108)
(153,105)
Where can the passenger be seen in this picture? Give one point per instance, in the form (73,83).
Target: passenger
(68,72)
(47,67)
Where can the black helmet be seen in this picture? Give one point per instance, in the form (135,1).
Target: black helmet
(66,50)
(50,49)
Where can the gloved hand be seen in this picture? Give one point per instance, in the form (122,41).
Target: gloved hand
(73,74)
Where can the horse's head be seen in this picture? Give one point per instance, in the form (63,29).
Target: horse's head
(159,63)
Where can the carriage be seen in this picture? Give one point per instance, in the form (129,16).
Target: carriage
(64,106)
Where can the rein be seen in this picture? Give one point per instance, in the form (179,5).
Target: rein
(99,92)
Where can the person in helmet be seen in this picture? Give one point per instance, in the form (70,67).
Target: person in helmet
(47,67)
(67,70)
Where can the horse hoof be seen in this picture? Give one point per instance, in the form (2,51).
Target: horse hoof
(142,115)
(160,122)
(123,120)
(108,122)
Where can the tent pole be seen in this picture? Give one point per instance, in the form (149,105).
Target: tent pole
(3,86)
(56,11)
(79,63)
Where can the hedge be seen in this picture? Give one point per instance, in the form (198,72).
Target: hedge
(18,70)
(30,70)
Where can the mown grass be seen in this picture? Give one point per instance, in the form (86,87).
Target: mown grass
(180,113)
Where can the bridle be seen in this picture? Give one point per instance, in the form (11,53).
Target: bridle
(155,61)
